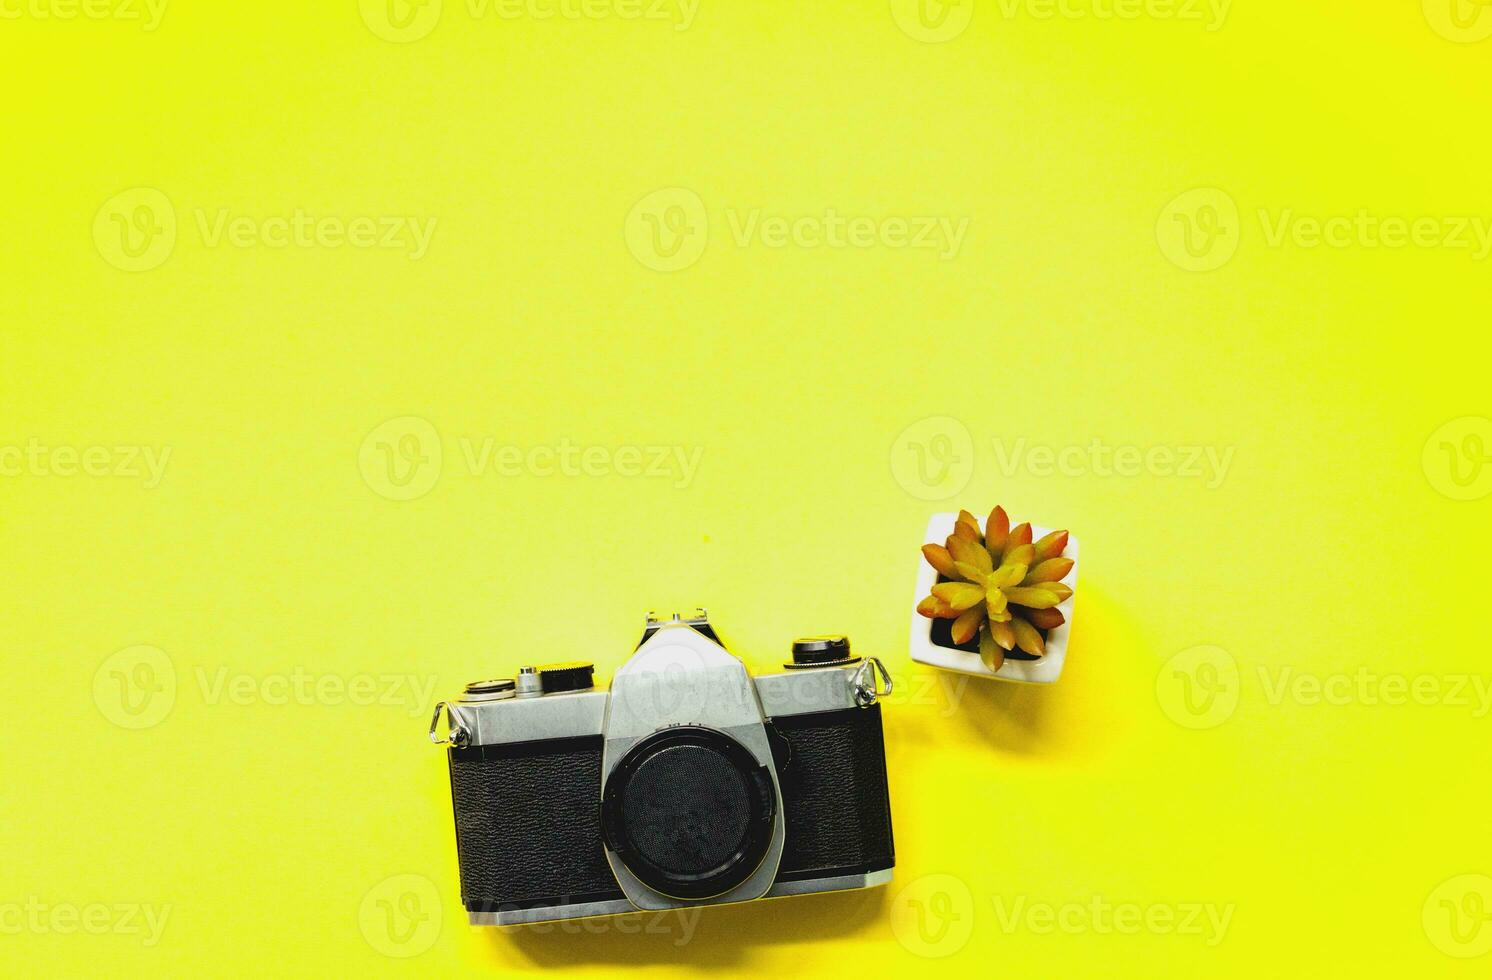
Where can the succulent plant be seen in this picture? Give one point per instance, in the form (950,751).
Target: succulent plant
(999,581)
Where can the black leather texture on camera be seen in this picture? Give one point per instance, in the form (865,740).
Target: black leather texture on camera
(689,811)
(528,830)
(834,792)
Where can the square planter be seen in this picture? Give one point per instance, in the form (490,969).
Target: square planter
(1044,670)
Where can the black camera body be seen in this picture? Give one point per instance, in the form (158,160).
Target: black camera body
(689,783)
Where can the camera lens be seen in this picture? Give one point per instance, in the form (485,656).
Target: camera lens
(689,811)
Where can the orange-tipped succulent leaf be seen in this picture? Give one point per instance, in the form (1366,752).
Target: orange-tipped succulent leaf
(970,553)
(991,653)
(1043,619)
(959,595)
(934,608)
(969,572)
(1036,597)
(938,557)
(1027,638)
(966,625)
(1006,575)
(1050,570)
(1022,554)
(996,530)
(1051,546)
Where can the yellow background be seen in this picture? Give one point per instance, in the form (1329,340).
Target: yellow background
(1328,547)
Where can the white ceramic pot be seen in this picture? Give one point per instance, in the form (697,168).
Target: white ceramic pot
(1043,671)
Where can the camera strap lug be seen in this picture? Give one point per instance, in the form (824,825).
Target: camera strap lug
(867,690)
(457,738)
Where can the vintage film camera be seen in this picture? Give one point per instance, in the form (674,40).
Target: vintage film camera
(689,783)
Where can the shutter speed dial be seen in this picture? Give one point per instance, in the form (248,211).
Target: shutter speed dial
(821,651)
(533,682)
(572,675)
